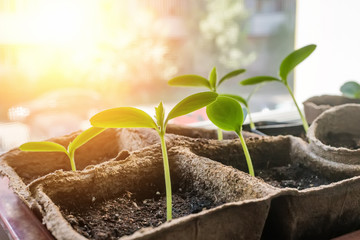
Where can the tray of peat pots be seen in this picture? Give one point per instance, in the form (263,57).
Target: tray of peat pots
(127,197)
(317,201)
(316,105)
(23,167)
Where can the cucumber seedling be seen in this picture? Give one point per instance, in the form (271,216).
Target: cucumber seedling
(350,89)
(287,65)
(128,117)
(227,114)
(212,84)
(80,140)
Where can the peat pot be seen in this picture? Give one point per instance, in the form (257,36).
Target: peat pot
(315,201)
(70,201)
(316,105)
(23,167)
(335,138)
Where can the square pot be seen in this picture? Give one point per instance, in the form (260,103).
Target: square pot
(23,167)
(318,212)
(247,200)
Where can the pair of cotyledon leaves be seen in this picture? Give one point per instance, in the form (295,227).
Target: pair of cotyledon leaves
(223,111)
(286,66)
(45,146)
(199,81)
(211,83)
(350,89)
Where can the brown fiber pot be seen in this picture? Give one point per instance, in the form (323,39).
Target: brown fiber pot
(315,213)
(316,105)
(341,124)
(242,217)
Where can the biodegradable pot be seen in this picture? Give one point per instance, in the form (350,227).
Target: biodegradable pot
(335,136)
(23,167)
(316,105)
(317,212)
(242,217)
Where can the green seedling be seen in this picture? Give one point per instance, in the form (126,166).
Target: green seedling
(227,114)
(128,117)
(80,140)
(351,89)
(212,84)
(287,65)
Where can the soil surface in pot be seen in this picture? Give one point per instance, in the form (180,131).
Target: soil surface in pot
(345,140)
(293,175)
(115,218)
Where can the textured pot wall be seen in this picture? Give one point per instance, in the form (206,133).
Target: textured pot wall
(316,105)
(143,169)
(313,213)
(342,119)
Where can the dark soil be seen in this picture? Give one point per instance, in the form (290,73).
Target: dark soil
(293,175)
(345,140)
(123,216)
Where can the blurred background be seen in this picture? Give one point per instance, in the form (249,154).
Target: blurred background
(63,61)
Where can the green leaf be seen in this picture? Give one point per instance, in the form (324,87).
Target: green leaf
(293,59)
(190,81)
(160,114)
(258,79)
(191,103)
(42,147)
(226,113)
(123,117)
(231,75)
(237,98)
(213,78)
(351,89)
(84,137)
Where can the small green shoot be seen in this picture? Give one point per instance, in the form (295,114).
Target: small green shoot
(80,140)
(227,114)
(128,117)
(351,89)
(287,65)
(198,81)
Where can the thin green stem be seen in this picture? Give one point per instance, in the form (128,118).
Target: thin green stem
(167,177)
(305,124)
(220,134)
(247,154)
(71,156)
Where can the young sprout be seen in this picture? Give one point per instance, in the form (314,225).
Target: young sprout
(80,140)
(198,81)
(287,65)
(227,114)
(128,117)
(351,89)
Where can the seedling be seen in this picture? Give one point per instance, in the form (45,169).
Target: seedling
(212,84)
(227,114)
(80,140)
(351,89)
(128,117)
(287,65)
